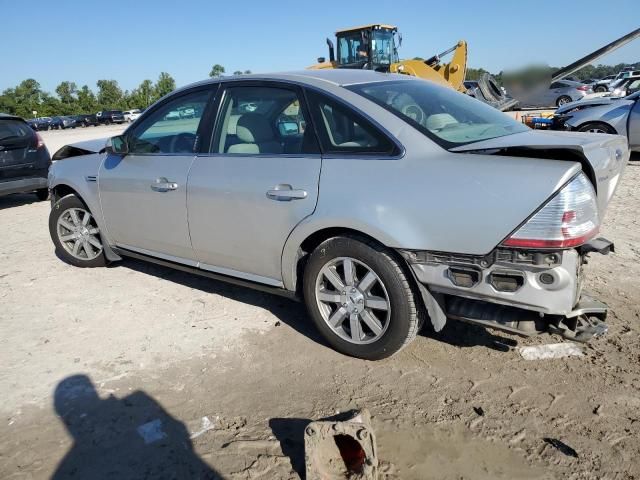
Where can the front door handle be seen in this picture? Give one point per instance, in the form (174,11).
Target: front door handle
(283,192)
(163,185)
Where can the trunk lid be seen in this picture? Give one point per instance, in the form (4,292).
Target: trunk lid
(603,157)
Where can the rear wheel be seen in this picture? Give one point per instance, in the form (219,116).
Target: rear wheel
(563,99)
(597,127)
(600,89)
(360,298)
(75,233)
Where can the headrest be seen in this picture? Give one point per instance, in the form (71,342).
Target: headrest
(253,128)
(439,120)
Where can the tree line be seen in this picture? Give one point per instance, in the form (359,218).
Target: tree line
(70,99)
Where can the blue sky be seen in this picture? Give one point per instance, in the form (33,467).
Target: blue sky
(84,40)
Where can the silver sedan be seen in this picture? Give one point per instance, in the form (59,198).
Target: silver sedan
(380,200)
(603,115)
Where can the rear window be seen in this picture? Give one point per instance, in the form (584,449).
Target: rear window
(447,117)
(14,132)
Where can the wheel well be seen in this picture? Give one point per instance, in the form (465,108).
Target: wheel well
(596,122)
(316,238)
(62,190)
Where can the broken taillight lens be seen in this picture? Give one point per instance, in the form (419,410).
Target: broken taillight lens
(569,219)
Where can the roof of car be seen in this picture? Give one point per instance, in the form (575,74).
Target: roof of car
(8,116)
(340,76)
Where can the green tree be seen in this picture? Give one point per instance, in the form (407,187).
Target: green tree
(26,98)
(86,101)
(67,94)
(109,94)
(165,84)
(238,72)
(216,71)
(247,72)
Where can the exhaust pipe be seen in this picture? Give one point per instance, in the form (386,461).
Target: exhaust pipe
(332,55)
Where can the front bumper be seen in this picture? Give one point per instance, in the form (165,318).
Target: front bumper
(545,281)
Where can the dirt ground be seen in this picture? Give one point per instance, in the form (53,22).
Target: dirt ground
(138,371)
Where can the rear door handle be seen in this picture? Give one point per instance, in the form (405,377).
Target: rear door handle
(163,185)
(283,192)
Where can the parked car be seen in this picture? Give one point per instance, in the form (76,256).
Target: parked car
(604,85)
(24,158)
(404,197)
(60,123)
(603,115)
(40,123)
(624,86)
(109,117)
(86,119)
(131,115)
(558,93)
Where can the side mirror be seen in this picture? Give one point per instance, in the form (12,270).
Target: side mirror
(288,128)
(117,145)
(321,59)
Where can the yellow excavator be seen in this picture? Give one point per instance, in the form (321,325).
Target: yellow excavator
(375,47)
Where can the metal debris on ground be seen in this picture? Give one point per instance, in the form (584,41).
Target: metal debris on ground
(551,350)
(340,448)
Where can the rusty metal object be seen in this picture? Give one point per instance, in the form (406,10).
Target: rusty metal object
(343,447)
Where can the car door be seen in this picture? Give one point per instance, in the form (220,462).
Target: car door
(144,193)
(257,181)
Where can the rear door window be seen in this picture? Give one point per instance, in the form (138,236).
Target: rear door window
(14,133)
(343,130)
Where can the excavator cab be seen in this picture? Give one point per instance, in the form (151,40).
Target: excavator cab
(371,47)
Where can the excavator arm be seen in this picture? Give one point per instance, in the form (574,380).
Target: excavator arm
(451,74)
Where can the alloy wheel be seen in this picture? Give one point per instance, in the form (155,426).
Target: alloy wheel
(353,300)
(79,234)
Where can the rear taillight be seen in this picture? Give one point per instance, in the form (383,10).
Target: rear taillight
(583,88)
(39,141)
(569,219)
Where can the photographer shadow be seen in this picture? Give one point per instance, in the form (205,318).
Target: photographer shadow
(127,438)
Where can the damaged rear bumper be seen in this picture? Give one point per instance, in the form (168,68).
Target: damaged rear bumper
(518,290)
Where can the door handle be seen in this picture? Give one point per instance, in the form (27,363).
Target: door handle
(285,193)
(163,185)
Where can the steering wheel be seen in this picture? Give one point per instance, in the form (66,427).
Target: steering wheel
(414,112)
(182,143)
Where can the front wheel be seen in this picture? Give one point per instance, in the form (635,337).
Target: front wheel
(75,233)
(360,298)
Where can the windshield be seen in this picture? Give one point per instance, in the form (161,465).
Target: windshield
(449,118)
(383,49)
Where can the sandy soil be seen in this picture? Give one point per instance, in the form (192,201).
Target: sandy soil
(137,371)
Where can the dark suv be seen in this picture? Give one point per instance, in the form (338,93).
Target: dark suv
(107,117)
(24,159)
(86,119)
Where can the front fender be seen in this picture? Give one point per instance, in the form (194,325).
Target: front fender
(81,174)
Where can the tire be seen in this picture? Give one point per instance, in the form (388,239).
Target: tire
(42,194)
(388,297)
(597,127)
(562,100)
(88,234)
(600,89)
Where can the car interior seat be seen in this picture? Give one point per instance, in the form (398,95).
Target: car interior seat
(255,135)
